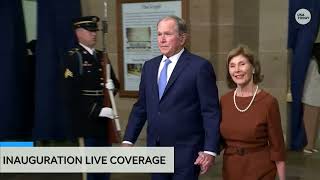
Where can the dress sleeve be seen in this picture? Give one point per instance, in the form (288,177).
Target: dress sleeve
(276,141)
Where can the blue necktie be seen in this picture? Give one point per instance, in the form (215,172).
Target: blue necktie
(163,78)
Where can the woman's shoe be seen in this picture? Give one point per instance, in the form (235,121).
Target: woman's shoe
(308,151)
(315,150)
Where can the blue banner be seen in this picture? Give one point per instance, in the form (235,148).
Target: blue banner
(300,39)
(16,115)
(55,37)
(16,144)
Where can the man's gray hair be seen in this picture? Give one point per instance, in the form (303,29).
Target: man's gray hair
(181,24)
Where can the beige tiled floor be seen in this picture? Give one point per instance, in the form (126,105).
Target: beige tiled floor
(299,167)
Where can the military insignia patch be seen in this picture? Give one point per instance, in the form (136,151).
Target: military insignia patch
(86,64)
(72,51)
(68,73)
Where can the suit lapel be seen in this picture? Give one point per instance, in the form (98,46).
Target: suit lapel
(154,76)
(181,64)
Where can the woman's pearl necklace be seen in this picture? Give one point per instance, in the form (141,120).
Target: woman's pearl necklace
(235,104)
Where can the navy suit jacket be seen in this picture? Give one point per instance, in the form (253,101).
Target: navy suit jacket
(188,113)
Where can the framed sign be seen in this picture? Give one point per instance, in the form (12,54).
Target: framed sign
(137,37)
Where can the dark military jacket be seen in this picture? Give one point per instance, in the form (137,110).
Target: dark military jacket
(83,85)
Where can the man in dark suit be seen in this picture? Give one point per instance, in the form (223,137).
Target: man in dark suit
(83,87)
(179,98)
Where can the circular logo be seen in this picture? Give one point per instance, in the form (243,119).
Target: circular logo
(303,16)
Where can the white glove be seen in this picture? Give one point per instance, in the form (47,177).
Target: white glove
(110,85)
(106,112)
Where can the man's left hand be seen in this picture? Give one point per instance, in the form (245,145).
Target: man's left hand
(205,161)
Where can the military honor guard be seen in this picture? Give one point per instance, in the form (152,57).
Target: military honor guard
(84,84)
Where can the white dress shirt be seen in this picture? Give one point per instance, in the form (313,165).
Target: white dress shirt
(90,50)
(174,59)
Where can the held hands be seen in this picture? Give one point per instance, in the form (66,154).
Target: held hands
(110,85)
(205,161)
(106,112)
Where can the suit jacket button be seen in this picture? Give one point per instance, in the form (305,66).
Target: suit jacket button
(102,84)
(100,69)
